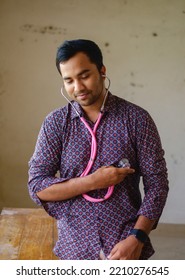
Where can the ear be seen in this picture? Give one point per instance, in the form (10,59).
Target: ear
(103,71)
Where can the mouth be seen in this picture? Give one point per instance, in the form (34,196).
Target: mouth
(82,96)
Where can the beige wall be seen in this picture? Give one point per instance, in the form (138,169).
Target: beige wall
(143,42)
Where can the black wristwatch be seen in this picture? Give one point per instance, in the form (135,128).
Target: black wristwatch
(139,234)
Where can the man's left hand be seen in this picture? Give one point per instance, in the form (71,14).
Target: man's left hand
(127,249)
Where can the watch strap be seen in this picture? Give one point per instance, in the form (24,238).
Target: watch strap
(139,234)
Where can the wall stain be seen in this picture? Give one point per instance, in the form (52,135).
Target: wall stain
(175,161)
(136,85)
(154,34)
(107,45)
(48,29)
(134,35)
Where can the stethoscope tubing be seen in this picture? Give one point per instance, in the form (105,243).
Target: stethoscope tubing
(93,146)
(92,159)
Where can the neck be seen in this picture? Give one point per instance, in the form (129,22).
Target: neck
(93,110)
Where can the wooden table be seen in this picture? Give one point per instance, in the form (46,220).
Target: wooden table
(27,234)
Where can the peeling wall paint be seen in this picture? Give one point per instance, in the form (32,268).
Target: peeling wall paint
(43,29)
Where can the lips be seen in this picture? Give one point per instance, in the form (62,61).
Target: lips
(82,96)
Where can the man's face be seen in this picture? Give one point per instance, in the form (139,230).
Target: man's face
(82,80)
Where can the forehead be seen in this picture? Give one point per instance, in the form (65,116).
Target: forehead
(76,65)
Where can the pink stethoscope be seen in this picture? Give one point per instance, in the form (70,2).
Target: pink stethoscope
(94,147)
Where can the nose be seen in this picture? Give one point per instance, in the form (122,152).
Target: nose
(78,86)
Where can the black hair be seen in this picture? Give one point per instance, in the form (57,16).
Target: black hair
(70,48)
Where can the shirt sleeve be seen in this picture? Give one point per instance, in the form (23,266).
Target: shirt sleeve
(152,167)
(44,165)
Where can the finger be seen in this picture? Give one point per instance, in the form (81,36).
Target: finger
(130,170)
(114,256)
(127,170)
(113,251)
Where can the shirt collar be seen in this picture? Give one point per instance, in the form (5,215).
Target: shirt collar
(78,108)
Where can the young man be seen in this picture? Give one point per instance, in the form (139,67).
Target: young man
(116,228)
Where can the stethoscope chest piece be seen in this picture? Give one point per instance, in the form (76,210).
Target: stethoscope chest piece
(93,145)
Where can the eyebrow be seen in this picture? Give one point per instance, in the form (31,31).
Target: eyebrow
(78,75)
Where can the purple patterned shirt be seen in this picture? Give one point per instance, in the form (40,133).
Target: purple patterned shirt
(63,145)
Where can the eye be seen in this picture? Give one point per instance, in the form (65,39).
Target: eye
(84,76)
(68,81)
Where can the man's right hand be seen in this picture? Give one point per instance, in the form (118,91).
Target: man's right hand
(109,175)
(102,178)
